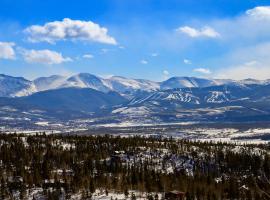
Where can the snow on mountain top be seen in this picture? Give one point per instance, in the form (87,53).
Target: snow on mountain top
(51,82)
(122,84)
(15,86)
(183,82)
(18,86)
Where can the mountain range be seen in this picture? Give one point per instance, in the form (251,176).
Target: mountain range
(123,100)
(18,86)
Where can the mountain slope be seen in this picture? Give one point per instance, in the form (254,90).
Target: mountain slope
(80,99)
(209,95)
(82,80)
(15,86)
(183,82)
(85,80)
(234,102)
(49,83)
(66,99)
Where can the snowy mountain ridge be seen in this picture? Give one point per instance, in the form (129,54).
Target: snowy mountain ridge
(18,86)
(15,86)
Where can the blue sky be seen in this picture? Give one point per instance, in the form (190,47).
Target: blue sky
(150,39)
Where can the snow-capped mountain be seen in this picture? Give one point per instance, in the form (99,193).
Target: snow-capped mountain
(205,95)
(15,86)
(85,80)
(49,83)
(127,87)
(231,102)
(122,84)
(82,80)
(194,82)
(184,82)
(95,99)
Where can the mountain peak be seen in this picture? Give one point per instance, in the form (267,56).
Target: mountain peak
(14,86)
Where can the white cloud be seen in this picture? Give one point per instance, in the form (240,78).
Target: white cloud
(260,12)
(121,47)
(144,62)
(245,39)
(6,50)
(247,62)
(88,56)
(252,69)
(44,57)
(206,31)
(248,28)
(202,70)
(69,29)
(154,54)
(166,74)
(187,61)
(251,63)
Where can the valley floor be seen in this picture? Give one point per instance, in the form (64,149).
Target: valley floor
(244,133)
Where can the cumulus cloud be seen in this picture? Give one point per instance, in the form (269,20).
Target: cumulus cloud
(69,29)
(44,57)
(144,62)
(6,50)
(187,61)
(202,70)
(260,12)
(206,31)
(154,54)
(88,56)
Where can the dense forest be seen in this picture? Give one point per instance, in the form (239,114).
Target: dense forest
(52,166)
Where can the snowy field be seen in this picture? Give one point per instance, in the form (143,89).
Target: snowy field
(102,195)
(192,130)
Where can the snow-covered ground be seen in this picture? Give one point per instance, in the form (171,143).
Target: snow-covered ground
(127,127)
(101,195)
(185,130)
